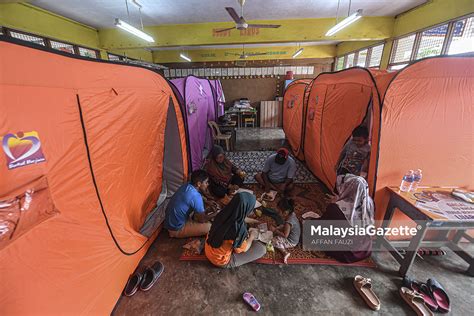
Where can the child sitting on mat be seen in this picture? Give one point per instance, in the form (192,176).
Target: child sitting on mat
(287,235)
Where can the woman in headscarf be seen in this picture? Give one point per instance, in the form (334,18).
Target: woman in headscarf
(228,243)
(224,176)
(352,206)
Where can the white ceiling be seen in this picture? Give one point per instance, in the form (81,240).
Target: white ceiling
(101,13)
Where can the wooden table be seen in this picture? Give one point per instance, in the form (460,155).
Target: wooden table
(241,112)
(428,208)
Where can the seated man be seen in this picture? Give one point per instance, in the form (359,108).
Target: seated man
(278,173)
(185,201)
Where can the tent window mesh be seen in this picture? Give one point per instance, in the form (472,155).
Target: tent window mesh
(28,38)
(350,60)
(340,63)
(362,58)
(68,48)
(376,56)
(463,37)
(431,42)
(86,52)
(404,49)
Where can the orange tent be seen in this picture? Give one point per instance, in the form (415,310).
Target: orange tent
(294,109)
(337,103)
(87,148)
(427,123)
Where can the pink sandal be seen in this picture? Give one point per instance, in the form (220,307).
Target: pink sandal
(252,301)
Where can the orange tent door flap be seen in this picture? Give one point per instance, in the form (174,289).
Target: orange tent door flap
(293,112)
(312,135)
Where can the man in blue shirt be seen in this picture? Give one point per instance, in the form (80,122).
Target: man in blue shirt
(278,173)
(185,201)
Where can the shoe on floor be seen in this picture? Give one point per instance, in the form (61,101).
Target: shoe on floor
(440,296)
(364,287)
(133,284)
(415,301)
(151,275)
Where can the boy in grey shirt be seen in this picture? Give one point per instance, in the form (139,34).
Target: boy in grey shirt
(354,158)
(278,173)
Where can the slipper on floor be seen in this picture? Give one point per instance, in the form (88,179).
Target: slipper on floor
(412,284)
(364,287)
(150,276)
(252,301)
(430,301)
(415,301)
(440,296)
(133,284)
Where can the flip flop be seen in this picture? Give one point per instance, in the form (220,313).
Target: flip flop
(364,287)
(415,301)
(151,275)
(133,284)
(440,296)
(252,301)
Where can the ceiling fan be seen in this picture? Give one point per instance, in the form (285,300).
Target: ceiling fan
(240,23)
(244,55)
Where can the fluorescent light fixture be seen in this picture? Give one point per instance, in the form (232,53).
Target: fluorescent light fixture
(131,29)
(185,57)
(298,52)
(138,5)
(346,22)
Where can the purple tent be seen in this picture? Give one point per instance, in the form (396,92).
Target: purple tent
(216,84)
(198,102)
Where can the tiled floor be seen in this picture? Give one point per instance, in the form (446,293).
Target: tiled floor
(259,139)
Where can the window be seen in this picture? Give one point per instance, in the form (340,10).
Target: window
(398,67)
(376,56)
(350,60)
(362,58)
(340,63)
(64,47)
(365,57)
(463,37)
(403,49)
(453,37)
(50,43)
(28,37)
(86,52)
(113,57)
(431,42)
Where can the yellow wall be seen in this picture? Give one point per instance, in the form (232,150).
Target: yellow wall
(276,52)
(28,18)
(31,19)
(431,13)
(346,47)
(365,32)
(368,28)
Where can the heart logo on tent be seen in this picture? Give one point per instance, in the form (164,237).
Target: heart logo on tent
(22,149)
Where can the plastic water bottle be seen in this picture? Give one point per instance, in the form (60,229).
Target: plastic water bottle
(407,181)
(417,175)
